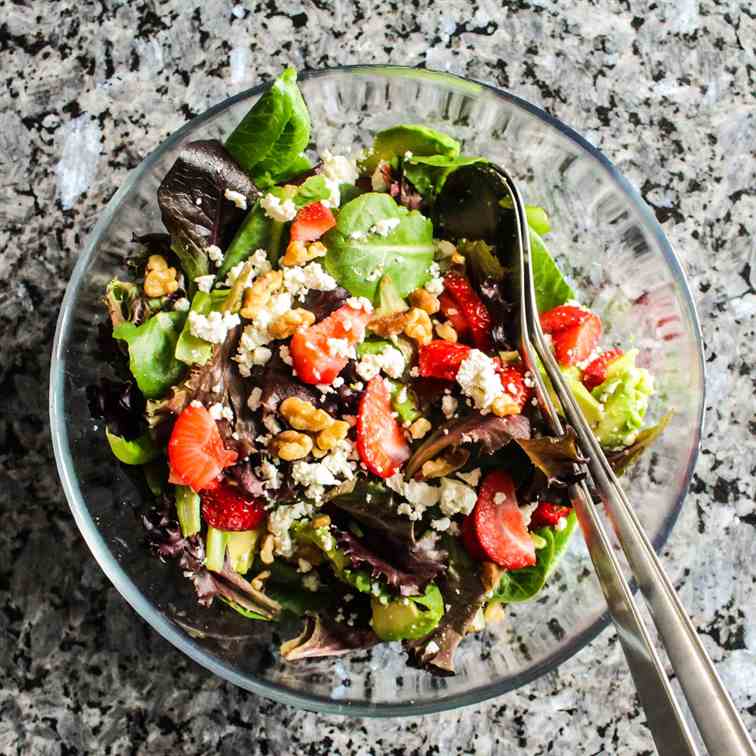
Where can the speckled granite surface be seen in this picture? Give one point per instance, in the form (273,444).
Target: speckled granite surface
(90,88)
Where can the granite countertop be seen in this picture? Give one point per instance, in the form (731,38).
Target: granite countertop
(90,88)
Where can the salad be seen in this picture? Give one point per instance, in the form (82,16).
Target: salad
(320,387)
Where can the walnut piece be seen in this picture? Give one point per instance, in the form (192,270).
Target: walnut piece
(298,253)
(287,324)
(258,295)
(419,428)
(266,549)
(304,416)
(159,279)
(329,437)
(490,574)
(446,332)
(504,405)
(436,468)
(419,326)
(425,301)
(290,445)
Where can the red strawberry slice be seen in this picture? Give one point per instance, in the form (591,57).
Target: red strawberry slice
(471,307)
(441,359)
(452,313)
(513,381)
(470,540)
(595,374)
(196,454)
(226,508)
(576,344)
(381,442)
(562,317)
(547,514)
(311,222)
(499,526)
(318,352)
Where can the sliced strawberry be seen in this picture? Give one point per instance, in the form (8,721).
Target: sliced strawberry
(196,454)
(311,222)
(562,317)
(226,508)
(318,352)
(595,374)
(452,313)
(381,442)
(470,539)
(441,359)
(513,381)
(547,514)
(576,344)
(499,526)
(471,307)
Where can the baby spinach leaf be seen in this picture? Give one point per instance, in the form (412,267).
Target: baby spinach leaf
(152,352)
(269,141)
(523,584)
(358,256)
(427,173)
(419,140)
(190,349)
(137,452)
(551,289)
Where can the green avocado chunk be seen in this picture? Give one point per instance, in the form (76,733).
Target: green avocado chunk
(408,618)
(624,394)
(419,140)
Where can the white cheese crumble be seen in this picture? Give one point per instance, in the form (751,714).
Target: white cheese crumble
(280,521)
(390,361)
(472,478)
(378,179)
(260,265)
(340,348)
(311,582)
(419,495)
(478,378)
(283,212)
(333,469)
(219,411)
(285,354)
(435,284)
(337,170)
(196,403)
(252,348)
(297,281)
(213,327)
(385,226)
(442,524)
(215,254)
(456,497)
(253,401)
(205,283)
(237,198)
(449,406)
(432,648)
(360,303)
(182,304)
(270,475)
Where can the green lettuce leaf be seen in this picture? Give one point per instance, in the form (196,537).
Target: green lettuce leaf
(522,585)
(427,173)
(419,140)
(255,232)
(357,258)
(190,349)
(138,451)
(152,352)
(550,286)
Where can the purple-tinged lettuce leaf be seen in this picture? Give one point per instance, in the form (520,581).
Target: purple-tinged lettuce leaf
(554,456)
(278,383)
(324,637)
(490,431)
(622,459)
(120,404)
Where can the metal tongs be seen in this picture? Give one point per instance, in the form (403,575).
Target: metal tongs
(714,714)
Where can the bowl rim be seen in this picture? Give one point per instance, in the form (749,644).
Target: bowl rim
(172,632)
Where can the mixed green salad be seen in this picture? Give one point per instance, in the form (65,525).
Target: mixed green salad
(322,390)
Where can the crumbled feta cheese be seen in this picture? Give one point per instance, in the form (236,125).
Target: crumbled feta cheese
(385,226)
(561,523)
(441,524)
(360,303)
(237,198)
(271,424)
(472,478)
(479,379)
(220,412)
(337,382)
(419,494)
(299,280)
(435,284)
(340,348)
(285,354)
(280,521)
(205,283)
(449,406)
(270,475)
(253,401)
(527,510)
(215,254)
(213,327)
(456,498)
(303,566)
(378,179)
(311,582)
(196,403)
(334,468)
(390,360)
(432,648)
(337,170)
(182,304)
(283,212)
(260,265)
(252,348)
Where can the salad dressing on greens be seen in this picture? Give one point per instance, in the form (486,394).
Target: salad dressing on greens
(323,391)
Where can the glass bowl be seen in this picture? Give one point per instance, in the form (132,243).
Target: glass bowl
(606,240)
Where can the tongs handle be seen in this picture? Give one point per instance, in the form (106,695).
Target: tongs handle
(715,715)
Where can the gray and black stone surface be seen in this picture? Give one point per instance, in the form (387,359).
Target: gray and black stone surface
(89,88)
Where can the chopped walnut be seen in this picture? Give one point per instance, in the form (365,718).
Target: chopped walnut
(419,428)
(330,436)
(446,331)
(389,325)
(159,279)
(287,324)
(436,468)
(258,295)
(419,326)
(266,549)
(258,581)
(298,253)
(290,445)
(304,415)
(423,299)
